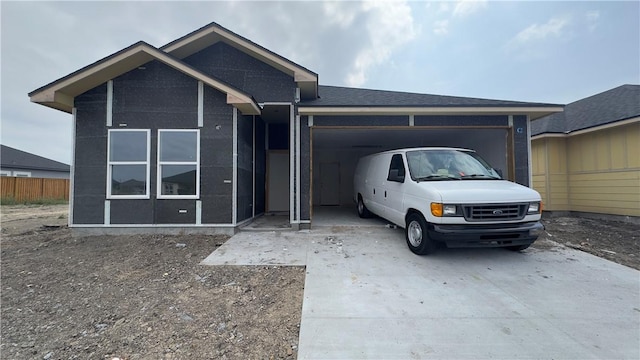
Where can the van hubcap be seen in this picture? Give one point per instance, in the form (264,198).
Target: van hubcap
(415,233)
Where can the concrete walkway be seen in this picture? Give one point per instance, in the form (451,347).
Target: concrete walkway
(368,297)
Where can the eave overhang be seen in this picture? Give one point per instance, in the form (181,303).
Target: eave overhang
(202,38)
(533,112)
(60,94)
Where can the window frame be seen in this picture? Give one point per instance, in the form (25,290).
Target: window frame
(5,173)
(160,163)
(147,163)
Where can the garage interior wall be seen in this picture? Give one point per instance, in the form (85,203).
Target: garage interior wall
(344,146)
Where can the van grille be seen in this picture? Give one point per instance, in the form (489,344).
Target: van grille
(494,212)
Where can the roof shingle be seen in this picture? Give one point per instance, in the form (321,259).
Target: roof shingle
(343,96)
(14,158)
(620,103)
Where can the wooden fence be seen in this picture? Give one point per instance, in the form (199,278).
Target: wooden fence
(30,189)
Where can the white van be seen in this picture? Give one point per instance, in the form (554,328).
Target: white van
(447,195)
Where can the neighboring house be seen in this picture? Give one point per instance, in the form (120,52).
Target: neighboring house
(587,158)
(14,162)
(217,130)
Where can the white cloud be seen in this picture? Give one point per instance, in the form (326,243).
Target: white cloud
(592,19)
(468,7)
(337,14)
(441,27)
(553,27)
(389,26)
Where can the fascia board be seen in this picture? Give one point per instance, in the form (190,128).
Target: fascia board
(415,110)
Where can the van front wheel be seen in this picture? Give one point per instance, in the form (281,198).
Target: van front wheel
(417,236)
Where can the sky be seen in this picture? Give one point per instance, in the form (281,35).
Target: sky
(542,51)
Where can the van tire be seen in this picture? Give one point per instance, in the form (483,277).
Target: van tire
(417,236)
(363,212)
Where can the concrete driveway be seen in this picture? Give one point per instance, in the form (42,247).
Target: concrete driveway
(368,297)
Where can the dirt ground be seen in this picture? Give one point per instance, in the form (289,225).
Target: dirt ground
(146,297)
(136,297)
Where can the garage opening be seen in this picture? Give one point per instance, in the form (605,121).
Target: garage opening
(336,151)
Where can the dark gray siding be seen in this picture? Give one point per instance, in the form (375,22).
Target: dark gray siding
(154,97)
(90,182)
(216,159)
(521,149)
(245,167)
(132,211)
(231,65)
(261,166)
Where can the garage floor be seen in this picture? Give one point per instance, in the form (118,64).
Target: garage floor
(367,296)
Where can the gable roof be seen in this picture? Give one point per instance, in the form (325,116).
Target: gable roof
(14,158)
(343,100)
(60,93)
(212,33)
(618,104)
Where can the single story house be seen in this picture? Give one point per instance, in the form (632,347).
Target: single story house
(587,158)
(212,130)
(18,163)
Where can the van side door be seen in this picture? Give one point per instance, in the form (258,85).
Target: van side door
(394,190)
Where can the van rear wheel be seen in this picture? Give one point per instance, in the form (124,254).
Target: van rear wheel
(363,212)
(417,236)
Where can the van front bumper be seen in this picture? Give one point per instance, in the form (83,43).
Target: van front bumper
(491,235)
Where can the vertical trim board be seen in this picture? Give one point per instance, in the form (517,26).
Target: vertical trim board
(110,103)
(200,104)
(107,212)
(291,165)
(234,182)
(72,168)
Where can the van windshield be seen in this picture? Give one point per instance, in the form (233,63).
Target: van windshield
(444,164)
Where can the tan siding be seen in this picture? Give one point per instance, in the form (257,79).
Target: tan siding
(603,191)
(593,172)
(603,151)
(538,163)
(618,148)
(632,141)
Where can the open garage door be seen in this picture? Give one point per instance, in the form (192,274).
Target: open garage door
(344,146)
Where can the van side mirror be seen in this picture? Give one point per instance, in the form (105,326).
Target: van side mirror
(394,176)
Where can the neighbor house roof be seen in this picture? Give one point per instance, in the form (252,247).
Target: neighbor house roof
(615,105)
(60,93)
(335,99)
(212,33)
(18,159)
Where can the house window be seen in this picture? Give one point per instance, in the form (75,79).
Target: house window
(5,173)
(22,173)
(128,164)
(178,164)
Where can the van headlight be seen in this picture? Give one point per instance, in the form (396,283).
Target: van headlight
(535,208)
(440,210)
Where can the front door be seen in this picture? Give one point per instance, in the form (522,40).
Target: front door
(278,181)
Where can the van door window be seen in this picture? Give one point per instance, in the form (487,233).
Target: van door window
(396,169)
